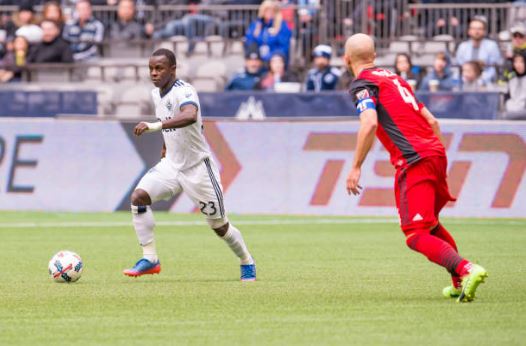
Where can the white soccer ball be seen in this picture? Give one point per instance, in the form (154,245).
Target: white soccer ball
(65,266)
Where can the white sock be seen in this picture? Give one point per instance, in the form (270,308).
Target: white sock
(144,223)
(149,252)
(235,241)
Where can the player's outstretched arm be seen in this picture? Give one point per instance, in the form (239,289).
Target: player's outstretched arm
(186,117)
(366,134)
(433,122)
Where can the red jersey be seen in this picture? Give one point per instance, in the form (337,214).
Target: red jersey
(402,129)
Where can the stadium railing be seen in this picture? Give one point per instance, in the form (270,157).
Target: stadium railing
(391,20)
(331,22)
(100,70)
(227,23)
(499,16)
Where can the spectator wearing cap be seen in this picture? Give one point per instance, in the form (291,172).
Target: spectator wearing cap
(250,76)
(479,48)
(269,33)
(84,32)
(53,48)
(26,23)
(323,76)
(518,45)
(518,38)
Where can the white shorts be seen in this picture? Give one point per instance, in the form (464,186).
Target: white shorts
(201,183)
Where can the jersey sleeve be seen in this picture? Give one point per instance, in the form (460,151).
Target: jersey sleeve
(187,96)
(364,94)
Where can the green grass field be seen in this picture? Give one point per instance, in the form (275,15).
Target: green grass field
(336,281)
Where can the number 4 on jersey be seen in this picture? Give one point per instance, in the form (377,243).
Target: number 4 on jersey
(406,95)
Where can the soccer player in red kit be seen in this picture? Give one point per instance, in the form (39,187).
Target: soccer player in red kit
(411,134)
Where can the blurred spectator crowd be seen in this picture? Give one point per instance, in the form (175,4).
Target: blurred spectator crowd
(479,59)
(55,35)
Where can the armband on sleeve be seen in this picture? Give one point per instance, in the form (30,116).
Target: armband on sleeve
(365,104)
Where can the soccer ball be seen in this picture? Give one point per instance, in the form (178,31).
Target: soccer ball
(65,266)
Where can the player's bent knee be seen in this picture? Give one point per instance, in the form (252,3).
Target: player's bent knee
(220,226)
(140,197)
(411,239)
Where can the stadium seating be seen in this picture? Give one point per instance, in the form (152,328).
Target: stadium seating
(209,59)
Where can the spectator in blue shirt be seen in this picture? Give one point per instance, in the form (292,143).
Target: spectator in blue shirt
(479,48)
(84,32)
(250,76)
(441,77)
(323,76)
(269,33)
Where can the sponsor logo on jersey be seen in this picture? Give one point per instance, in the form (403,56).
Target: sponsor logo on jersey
(362,94)
(169,105)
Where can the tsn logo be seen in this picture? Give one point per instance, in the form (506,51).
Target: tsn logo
(509,144)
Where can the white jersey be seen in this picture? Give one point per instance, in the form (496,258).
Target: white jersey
(185,147)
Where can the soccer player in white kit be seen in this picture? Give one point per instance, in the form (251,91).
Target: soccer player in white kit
(186,165)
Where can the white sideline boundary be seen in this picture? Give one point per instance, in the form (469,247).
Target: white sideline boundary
(269,222)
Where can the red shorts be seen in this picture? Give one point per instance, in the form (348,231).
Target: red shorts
(421,192)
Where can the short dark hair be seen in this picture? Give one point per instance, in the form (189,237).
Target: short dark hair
(166,53)
(26,6)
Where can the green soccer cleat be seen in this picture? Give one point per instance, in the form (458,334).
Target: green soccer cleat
(451,292)
(470,282)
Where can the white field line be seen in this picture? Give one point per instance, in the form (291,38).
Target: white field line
(269,222)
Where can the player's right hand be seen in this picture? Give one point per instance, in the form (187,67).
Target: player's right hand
(140,128)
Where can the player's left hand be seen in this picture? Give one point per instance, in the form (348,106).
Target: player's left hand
(352,181)
(140,128)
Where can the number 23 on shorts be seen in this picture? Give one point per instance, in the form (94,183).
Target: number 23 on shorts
(208,209)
